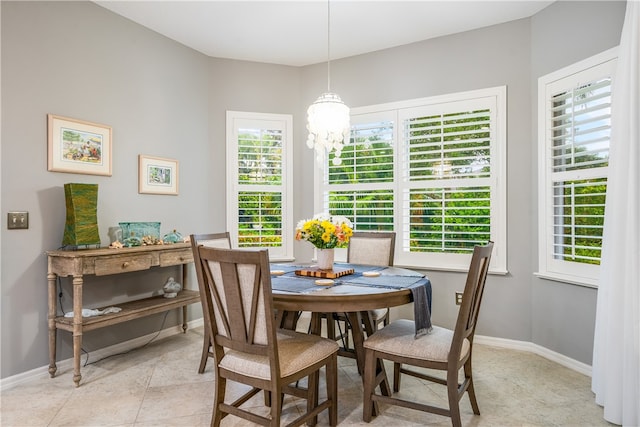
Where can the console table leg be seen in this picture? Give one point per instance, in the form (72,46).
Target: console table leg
(77,328)
(53,309)
(184,309)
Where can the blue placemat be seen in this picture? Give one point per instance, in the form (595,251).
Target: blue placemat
(295,284)
(359,269)
(393,282)
(394,271)
(287,268)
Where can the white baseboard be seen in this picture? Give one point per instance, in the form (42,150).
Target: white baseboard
(530,347)
(67,364)
(9,382)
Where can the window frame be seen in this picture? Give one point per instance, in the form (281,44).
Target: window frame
(283,122)
(392,111)
(587,70)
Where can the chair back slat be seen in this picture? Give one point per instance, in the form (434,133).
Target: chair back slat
(234,311)
(216,303)
(471,299)
(372,248)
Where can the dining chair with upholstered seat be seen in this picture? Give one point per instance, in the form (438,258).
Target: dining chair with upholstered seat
(365,248)
(376,248)
(212,240)
(441,349)
(235,290)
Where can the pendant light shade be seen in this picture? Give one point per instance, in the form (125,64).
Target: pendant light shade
(328,119)
(328,125)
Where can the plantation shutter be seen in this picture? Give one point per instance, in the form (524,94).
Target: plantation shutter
(580,128)
(431,169)
(361,187)
(449,182)
(258,161)
(577,129)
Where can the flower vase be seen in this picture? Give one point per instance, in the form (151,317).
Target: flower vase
(325,259)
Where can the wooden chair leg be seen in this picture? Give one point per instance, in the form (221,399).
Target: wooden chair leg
(470,390)
(331,379)
(206,345)
(396,376)
(221,385)
(454,398)
(276,408)
(369,376)
(313,381)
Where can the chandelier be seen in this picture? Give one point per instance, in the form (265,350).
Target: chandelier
(328,117)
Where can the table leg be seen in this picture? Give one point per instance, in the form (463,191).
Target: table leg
(287,319)
(315,327)
(357,320)
(77,328)
(53,310)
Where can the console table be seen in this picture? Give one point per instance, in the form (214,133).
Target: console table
(102,262)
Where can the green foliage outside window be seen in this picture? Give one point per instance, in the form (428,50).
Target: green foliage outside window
(259,212)
(442,147)
(582,220)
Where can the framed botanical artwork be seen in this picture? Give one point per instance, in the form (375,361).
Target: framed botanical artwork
(157,175)
(77,146)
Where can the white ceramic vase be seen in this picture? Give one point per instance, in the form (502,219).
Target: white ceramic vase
(325,258)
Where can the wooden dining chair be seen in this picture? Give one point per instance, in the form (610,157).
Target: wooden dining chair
(213,240)
(365,248)
(235,288)
(442,349)
(377,249)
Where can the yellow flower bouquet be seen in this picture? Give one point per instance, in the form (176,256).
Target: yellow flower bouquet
(325,231)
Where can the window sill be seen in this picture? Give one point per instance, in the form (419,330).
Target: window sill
(564,279)
(496,272)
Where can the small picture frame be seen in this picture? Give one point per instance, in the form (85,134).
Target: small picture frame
(78,146)
(157,175)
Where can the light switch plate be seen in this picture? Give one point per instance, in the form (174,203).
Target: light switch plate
(17,220)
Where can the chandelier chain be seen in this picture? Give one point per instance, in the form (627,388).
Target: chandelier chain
(328,117)
(329,46)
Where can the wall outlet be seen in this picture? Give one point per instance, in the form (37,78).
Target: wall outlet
(458,298)
(17,220)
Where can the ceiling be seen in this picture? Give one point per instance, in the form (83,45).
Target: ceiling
(294,32)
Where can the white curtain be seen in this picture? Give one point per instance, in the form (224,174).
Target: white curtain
(616,352)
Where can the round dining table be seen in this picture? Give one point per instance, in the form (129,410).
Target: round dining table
(302,288)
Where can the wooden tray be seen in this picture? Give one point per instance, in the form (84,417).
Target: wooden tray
(327,274)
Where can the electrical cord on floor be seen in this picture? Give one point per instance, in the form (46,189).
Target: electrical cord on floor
(164,319)
(86,362)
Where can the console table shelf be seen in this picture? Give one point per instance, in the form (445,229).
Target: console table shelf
(102,262)
(132,310)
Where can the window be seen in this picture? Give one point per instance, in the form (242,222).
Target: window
(574,127)
(362,186)
(431,169)
(259,184)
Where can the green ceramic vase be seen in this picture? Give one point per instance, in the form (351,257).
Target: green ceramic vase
(81,227)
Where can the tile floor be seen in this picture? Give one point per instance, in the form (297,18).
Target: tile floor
(159,386)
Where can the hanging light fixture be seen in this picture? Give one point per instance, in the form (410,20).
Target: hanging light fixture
(328,117)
